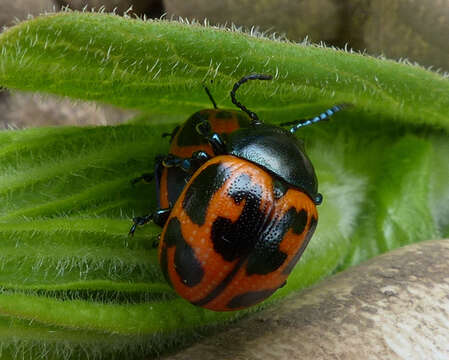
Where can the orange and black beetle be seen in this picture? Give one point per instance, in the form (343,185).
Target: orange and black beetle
(242,221)
(188,151)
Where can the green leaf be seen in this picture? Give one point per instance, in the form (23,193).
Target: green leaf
(72,281)
(161,67)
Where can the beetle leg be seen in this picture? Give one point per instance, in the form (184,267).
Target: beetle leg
(200,156)
(147,177)
(172,134)
(171,160)
(139,221)
(189,165)
(217,143)
(159,217)
(155,244)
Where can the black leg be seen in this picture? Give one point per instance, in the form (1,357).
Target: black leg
(217,144)
(172,134)
(156,243)
(175,161)
(189,165)
(200,156)
(159,217)
(139,221)
(147,177)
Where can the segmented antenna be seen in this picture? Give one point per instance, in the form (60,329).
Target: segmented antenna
(297,124)
(210,97)
(253,116)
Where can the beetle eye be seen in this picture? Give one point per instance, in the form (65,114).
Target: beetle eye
(318,199)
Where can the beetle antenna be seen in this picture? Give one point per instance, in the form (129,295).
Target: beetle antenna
(253,116)
(297,124)
(210,97)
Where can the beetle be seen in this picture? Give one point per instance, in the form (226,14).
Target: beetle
(188,150)
(246,214)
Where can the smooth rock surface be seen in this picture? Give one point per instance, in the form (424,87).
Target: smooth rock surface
(395,306)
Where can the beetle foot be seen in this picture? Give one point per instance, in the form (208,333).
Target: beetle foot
(147,177)
(139,221)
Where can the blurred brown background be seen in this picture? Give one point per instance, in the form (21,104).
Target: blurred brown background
(414,29)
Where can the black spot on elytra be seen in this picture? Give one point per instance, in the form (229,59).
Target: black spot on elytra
(313,222)
(173,233)
(234,240)
(249,298)
(199,193)
(256,234)
(188,136)
(266,256)
(253,239)
(300,222)
(186,264)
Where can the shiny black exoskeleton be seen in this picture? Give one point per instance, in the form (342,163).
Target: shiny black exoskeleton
(277,151)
